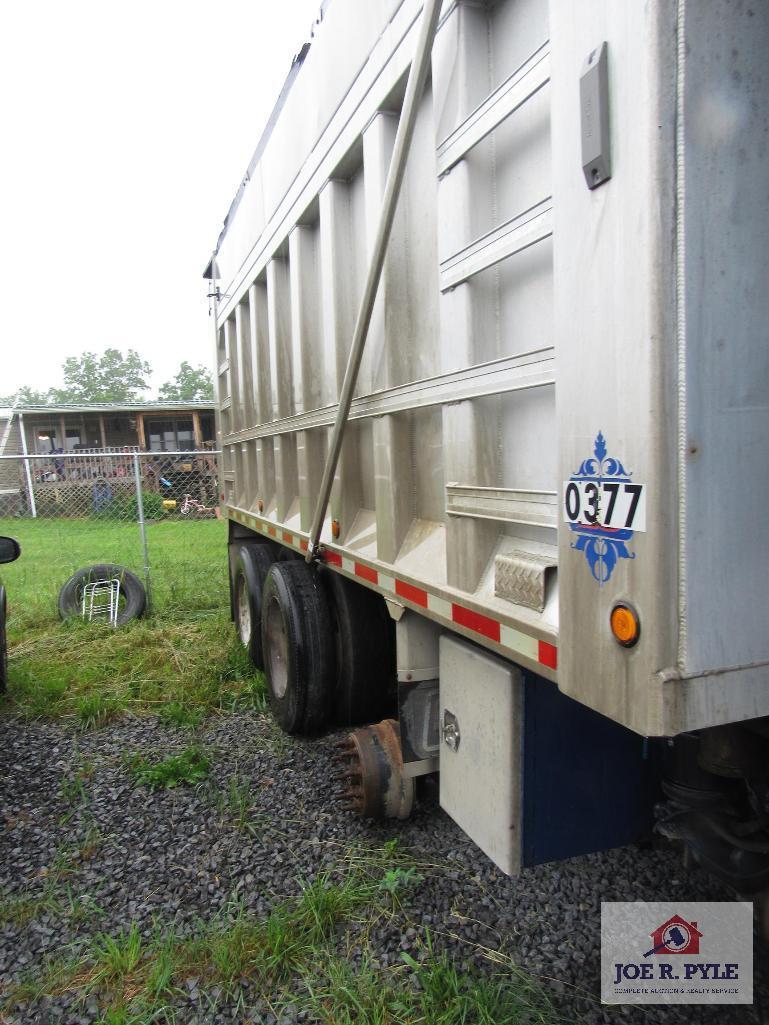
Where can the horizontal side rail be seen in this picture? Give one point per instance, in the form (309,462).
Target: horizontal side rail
(515,235)
(507,98)
(532,508)
(535,369)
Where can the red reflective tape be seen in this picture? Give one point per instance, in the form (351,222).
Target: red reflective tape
(367,574)
(288,538)
(304,545)
(475,621)
(548,655)
(333,558)
(273,531)
(411,593)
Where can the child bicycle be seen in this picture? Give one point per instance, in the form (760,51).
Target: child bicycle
(190,504)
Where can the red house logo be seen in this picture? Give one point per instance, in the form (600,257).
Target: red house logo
(676,936)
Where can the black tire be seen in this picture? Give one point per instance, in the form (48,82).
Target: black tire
(365,652)
(131,590)
(3,643)
(233,550)
(288,555)
(298,644)
(252,564)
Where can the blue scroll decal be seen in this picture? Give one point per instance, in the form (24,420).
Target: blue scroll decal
(601,545)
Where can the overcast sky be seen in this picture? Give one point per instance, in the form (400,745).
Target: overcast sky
(126,129)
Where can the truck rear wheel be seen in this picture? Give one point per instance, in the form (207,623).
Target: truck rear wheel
(365,652)
(298,645)
(251,566)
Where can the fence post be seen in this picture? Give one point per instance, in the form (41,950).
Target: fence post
(142,527)
(27,471)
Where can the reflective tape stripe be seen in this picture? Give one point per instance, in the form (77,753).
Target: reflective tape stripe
(366,573)
(548,655)
(439,606)
(522,644)
(475,621)
(413,594)
(387,583)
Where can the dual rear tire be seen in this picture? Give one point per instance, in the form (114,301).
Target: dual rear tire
(249,566)
(298,645)
(325,643)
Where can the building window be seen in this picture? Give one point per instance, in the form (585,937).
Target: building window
(73,440)
(172,435)
(207,427)
(45,440)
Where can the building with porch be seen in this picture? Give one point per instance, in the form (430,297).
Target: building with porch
(90,426)
(105,434)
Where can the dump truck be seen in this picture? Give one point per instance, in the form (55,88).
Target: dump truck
(490,311)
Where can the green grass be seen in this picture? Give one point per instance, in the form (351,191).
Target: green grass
(191,766)
(181,662)
(178,713)
(188,563)
(91,673)
(94,710)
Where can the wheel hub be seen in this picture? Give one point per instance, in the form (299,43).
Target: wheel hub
(277,650)
(244,612)
(370,771)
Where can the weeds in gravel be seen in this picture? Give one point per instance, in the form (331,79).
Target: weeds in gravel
(433,992)
(291,960)
(396,880)
(20,910)
(81,907)
(236,802)
(122,1016)
(115,958)
(191,766)
(178,713)
(91,842)
(74,792)
(51,900)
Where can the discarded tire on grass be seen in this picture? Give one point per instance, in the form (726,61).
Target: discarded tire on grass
(298,644)
(251,566)
(133,597)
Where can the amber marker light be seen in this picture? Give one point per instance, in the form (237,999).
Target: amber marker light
(336,529)
(625,625)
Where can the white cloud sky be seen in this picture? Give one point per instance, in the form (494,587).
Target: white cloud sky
(126,129)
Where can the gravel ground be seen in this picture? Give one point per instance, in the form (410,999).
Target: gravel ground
(170,855)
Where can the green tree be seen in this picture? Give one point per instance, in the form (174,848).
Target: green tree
(109,377)
(190,383)
(26,396)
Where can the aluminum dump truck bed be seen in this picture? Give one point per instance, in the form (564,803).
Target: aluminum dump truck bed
(563,400)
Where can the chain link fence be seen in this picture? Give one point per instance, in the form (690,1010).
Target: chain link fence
(154,513)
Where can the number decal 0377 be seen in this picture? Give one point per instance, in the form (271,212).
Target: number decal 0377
(614,504)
